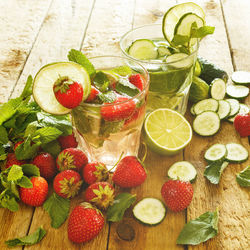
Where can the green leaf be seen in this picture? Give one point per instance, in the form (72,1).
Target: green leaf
(30,239)
(3,135)
(101,81)
(121,202)
(243,177)
(200,229)
(24,182)
(8,109)
(214,170)
(15,173)
(46,134)
(202,31)
(27,150)
(123,86)
(27,91)
(10,203)
(52,147)
(58,209)
(180,40)
(78,57)
(108,97)
(30,170)
(110,127)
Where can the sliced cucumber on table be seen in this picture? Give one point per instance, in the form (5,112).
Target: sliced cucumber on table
(241,77)
(218,89)
(244,109)
(182,170)
(149,211)
(237,91)
(206,105)
(224,109)
(217,152)
(235,106)
(236,153)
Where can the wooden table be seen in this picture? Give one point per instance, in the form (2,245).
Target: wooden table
(34,33)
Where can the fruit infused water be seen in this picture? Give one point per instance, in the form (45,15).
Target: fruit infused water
(109,121)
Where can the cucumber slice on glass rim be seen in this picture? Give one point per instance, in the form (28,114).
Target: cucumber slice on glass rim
(236,153)
(218,89)
(216,152)
(46,77)
(237,91)
(241,77)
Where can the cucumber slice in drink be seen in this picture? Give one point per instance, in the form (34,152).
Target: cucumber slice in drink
(218,89)
(149,211)
(173,15)
(237,91)
(206,123)
(143,49)
(216,152)
(241,77)
(224,109)
(178,60)
(206,105)
(236,153)
(163,51)
(235,107)
(45,78)
(182,170)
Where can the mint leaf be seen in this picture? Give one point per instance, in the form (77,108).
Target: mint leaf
(30,239)
(27,150)
(243,177)
(46,135)
(30,170)
(200,229)
(15,173)
(121,202)
(108,128)
(9,203)
(52,147)
(3,135)
(123,86)
(202,31)
(8,109)
(101,81)
(214,170)
(27,91)
(24,182)
(108,97)
(78,57)
(58,209)
(180,40)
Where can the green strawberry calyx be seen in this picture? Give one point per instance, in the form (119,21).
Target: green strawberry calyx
(69,187)
(62,84)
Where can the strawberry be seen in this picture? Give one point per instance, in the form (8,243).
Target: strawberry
(36,195)
(129,172)
(93,94)
(46,164)
(71,158)
(101,194)
(94,172)
(68,141)
(67,183)
(139,112)
(177,194)
(85,223)
(11,160)
(121,108)
(242,124)
(67,92)
(137,80)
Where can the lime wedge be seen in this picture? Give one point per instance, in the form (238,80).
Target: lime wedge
(45,78)
(166,131)
(174,14)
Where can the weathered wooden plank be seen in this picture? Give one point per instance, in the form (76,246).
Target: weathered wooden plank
(19,24)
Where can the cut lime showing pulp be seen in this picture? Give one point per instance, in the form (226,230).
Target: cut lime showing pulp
(44,80)
(166,131)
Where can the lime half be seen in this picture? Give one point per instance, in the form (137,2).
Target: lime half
(166,131)
(45,78)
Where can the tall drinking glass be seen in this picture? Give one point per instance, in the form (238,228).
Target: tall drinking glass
(169,81)
(105,138)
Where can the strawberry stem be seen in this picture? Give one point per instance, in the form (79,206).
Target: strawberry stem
(117,162)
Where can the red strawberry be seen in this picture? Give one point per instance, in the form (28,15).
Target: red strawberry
(85,223)
(11,160)
(137,80)
(68,141)
(71,158)
(121,108)
(17,144)
(46,164)
(177,194)
(36,195)
(67,92)
(93,94)
(139,112)
(242,124)
(94,172)
(67,183)
(101,194)
(129,172)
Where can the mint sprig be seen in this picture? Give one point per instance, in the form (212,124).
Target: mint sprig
(214,170)
(243,177)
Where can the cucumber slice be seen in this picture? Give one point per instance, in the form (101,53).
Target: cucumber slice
(244,109)
(237,91)
(163,51)
(182,170)
(216,152)
(143,49)
(236,153)
(149,211)
(173,15)
(206,105)
(199,90)
(235,107)
(241,77)
(181,62)
(224,109)
(206,123)
(218,89)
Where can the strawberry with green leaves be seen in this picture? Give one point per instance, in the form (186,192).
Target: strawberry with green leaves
(68,141)
(71,158)
(85,223)
(67,183)
(101,194)
(36,195)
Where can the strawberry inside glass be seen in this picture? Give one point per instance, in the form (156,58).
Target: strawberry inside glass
(109,121)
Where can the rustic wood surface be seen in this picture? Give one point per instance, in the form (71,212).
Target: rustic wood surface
(34,34)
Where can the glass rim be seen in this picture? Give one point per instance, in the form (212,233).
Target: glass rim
(129,98)
(153,62)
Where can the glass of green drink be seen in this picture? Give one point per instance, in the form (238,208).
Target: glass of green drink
(170,68)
